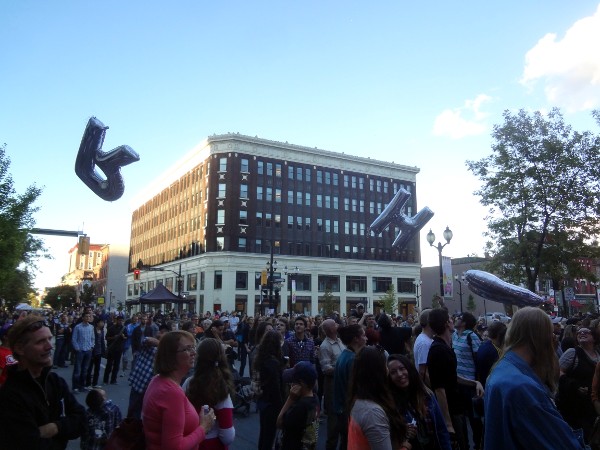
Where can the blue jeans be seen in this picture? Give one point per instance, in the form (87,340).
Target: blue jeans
(60,352)
(82,362)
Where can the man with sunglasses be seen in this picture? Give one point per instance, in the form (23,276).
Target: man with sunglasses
(37,410)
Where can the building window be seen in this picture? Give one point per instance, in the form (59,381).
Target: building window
(307,223)
(346,204)
(299,173)
(243,191)
(361,183)
(335,179)
(258,246)
(269,169)
(268,220)
(257,279)
(291,172)
(354,205)
(241,280)
(260,167)
(346,180)
(335,203)
(327,177)
(290,197)
(371,184)
(222,190)
(328,202)
(336,226)
(290,222)
(192,282)
(319,224)
(220,243)
(372,207)
(269,197)
(244,165)
(221,217)
(405,285)
(327,225)
(330,282)
(361,206)
(278,170)
(381,284)
(307,175)
(385,187)
(218,279)
(243,217)
(259,193)
(298,198)
(356,284)
(277,221)
(277,195)
(319,176)
(202,278)
(259,219)
(299,223)
(302,282)
(307,198)
(378,185)
(223,165)
(353,182)
(319,201)
(347,227)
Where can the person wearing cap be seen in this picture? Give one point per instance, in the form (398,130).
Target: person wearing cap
(37,410)
(298,417)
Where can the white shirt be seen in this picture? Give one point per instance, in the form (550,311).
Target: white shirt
(421,349)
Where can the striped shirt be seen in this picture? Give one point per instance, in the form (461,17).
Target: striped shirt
(465,353)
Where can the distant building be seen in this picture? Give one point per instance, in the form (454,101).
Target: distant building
(216,218)
(103,266)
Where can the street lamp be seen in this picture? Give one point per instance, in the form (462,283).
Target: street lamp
(418,284)
(459,280)
(291,274)
(431,240)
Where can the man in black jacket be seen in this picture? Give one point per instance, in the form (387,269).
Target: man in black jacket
(37,410)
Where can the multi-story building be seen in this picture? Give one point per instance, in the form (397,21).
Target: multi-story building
(217,216)
(101,266)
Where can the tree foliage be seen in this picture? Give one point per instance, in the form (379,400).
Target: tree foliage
(17,245)
(388,300)
(59,297)
(542,186)
(471,306)
(328,302)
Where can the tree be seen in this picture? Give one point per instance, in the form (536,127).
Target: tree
(59,297)
(328,302)
(18,248)
(471,306)
(87,295)
(542,186)
(389,301)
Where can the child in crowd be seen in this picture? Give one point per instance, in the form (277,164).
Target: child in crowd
(102,417)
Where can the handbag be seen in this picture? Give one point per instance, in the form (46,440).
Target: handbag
(129,435)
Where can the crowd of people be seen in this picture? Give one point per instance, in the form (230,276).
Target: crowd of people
(425,382)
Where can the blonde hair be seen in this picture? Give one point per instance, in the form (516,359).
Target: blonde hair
(531,328)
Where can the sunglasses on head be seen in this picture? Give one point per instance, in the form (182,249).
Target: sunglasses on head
(35,326)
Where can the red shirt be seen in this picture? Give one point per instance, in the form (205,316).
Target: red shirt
(6,359)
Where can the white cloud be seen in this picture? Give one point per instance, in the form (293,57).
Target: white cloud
(467,120)
(569,67)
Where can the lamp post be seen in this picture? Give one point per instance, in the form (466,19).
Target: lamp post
(459,280)
(440,247)
(291,274)
(418,284)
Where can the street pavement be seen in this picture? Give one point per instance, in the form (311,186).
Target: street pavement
(246,428)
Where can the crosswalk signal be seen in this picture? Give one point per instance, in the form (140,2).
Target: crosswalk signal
(136,274)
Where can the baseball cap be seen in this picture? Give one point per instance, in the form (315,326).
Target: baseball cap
(303,371)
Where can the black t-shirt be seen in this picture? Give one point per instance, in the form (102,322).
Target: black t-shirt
(394,339)
(441,366)
(299,425)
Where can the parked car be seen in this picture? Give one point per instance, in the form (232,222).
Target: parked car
(495,316)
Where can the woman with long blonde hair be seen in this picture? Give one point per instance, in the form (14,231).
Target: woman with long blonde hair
(519,409)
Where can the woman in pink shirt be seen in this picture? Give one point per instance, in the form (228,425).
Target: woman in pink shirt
(170,420)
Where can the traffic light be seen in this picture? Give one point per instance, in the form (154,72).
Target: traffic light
(136,274)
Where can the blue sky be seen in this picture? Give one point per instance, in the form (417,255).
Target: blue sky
(416,84)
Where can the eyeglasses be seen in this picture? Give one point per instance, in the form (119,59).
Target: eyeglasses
(35,326)
(189,349)
(584,332)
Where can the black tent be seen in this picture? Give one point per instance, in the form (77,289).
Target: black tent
(158,296)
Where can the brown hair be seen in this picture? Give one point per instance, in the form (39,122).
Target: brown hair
(166,356)
(20,332)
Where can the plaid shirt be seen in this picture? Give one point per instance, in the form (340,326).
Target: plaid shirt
(100,425)
(300,349)
(140,376)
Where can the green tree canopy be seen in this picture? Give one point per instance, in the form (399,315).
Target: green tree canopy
(59,297)
(389,301)
(542,186)
(17,245)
